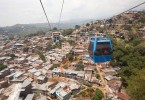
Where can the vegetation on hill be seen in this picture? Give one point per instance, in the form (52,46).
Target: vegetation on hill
(77,26)
(130,56)
(28,29)
(57,45)
(11,55)
(71,42)
(54,66)
(129,52)
(80,66)
(70,57)
(67,32)
(42,57)
(87,24)
(88,93)
(36,33)
(26,49)
(55,29)
(2,66)
(98,95)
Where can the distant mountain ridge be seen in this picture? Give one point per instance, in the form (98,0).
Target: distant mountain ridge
(25,29)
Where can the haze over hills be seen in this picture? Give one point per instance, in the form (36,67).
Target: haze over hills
(24,29)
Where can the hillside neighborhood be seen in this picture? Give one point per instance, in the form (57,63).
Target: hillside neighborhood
(53,66)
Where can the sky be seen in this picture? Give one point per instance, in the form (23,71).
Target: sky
(29,11)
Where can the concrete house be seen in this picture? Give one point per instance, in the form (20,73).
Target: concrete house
(63,93)
(26,88)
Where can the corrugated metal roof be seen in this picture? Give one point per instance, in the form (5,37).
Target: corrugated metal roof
(17,74)
(41,77)
(29,97)
(26,83)
(32,70)
(37,73)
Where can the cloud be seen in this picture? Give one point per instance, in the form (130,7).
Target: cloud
(30,11)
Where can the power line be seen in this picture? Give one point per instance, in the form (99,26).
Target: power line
(45,14)
(60,14)
(132,8)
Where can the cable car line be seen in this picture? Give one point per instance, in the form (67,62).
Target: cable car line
(97,54)
(60,14)
(122,13)
(100,49)
(45,14)
(133,7)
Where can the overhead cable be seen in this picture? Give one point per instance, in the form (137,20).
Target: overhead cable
(45,14)
(60,14)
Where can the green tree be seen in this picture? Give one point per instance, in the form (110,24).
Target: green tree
(49,46)
(127,27)
(142,20)
(2,66)
(36,95)
(130,57)
(77,26)
(54,66)
(98,95)
(90,92)
(55,29)
(97,76)
(83,94)
(90,89)
(88,84)
(70,57)
(40,33)
(42,57)
(119,16)
(67,32)
(130,21)
(136,42)
(71,42)
(87,24)
(110,21)
(11,55)
(126,71)
(136,87)
(134,30)
(25,49)
(56,45)
(101,30)
(65,67)
(80,66)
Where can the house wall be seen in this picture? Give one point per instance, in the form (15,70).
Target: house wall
(3,84)
(65,97)
(4,73)
(28,90)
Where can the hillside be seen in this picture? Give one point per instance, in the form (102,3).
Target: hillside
(129,52)
(25,29)
(127,32)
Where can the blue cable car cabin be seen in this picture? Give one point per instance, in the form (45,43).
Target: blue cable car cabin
(100,50)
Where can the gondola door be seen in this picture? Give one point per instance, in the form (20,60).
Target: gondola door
(90,49)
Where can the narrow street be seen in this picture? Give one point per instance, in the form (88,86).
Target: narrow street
(102,79)
(85,88)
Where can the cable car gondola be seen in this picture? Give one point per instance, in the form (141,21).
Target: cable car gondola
(100,50)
